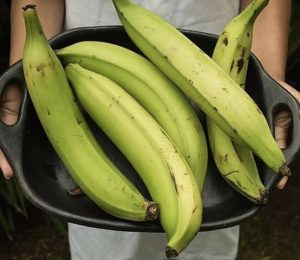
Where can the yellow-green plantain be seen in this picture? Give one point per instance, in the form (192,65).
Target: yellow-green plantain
(234,160)
(202,80)
(69,133)
(152,89)
(148,148)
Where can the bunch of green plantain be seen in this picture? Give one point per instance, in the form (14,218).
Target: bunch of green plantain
(235,160)
(144,106)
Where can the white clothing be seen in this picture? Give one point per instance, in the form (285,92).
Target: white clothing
(97,244)
(200,15)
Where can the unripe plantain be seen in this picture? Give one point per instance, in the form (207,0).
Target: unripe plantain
(234,160)
(69,133)
(148,148)
(203,81)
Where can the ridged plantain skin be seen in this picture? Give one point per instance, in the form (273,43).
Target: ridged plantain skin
(148,148)
(234,160)
(203,81)
(152,89)
(69,133)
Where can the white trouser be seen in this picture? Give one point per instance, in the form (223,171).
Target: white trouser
(98,244)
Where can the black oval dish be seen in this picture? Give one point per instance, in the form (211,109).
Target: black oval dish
(46,183)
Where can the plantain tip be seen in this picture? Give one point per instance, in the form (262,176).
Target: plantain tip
(29,6)
(285,170)
(264,196)
(171,252)
(152,211)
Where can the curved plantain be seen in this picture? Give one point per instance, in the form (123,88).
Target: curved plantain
(69,133)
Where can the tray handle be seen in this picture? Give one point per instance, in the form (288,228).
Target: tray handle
(11,135)
(275,99)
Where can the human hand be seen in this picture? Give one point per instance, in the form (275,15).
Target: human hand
(282,123)
(9,111)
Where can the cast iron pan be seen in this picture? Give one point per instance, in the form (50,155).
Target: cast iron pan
(46,183)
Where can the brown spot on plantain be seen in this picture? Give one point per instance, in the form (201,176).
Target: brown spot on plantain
(225,41)
(240,65)
(174,181)
(231,66)
(194,209)
(40,68)
(225,89)
(79,121)
(222,158)
(243,52)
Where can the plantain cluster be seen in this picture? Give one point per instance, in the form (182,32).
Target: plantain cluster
(164,139)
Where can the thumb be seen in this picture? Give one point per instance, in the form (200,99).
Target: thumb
(282,123)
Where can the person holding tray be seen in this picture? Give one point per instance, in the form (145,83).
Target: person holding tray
(269,45)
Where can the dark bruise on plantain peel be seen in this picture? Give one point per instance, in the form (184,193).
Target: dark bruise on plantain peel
(241,61)
(40,68)
(235,131)
(240,65)
(225,41)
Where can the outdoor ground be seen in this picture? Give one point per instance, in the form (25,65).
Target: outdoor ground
(273,234)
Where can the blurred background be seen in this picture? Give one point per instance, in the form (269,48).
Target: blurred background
(273,233)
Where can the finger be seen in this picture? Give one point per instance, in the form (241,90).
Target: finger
(10,104)
(282,183)
(282,122)
(5,166)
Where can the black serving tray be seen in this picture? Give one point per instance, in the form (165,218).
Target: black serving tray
(46,183)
